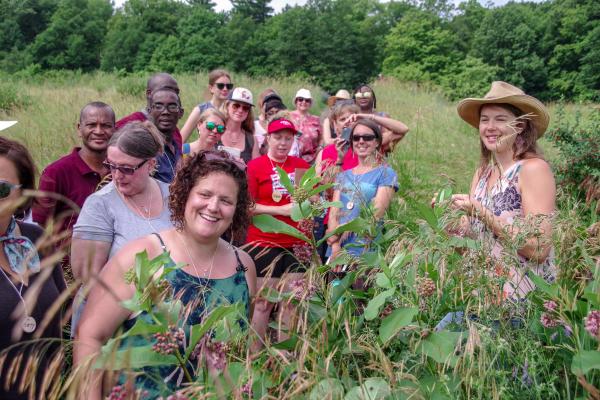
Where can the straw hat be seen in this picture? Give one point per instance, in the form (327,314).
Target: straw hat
(341,94)
(505,93)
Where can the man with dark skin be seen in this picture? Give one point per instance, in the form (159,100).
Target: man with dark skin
(165,113)
(68,181)
(162,80)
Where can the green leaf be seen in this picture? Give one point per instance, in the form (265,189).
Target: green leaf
(544,286)
(371,389)
(372,309)
(285,180)
(200,330)
(585,361)
(399,261)
(319,189)
(440,346)
(308,175)
(288,344)
(356,225)
(383,281)
(270,224)
(393,323)
(134,357)
(303,212)
(328,388)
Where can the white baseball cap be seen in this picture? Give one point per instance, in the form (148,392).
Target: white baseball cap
(304,93)
(241,95)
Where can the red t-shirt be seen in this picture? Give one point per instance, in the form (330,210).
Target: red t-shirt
(329,158)
(262,179)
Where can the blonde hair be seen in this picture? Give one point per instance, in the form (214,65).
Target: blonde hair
(212,111)
(340,109)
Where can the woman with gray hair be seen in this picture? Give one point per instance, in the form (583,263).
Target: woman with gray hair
(131,206)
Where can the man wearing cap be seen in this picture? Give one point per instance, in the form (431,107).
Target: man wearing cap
(161,80)
(165,113)
(71,179)
(308,125)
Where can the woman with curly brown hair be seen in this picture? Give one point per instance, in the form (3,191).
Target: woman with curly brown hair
(208,197)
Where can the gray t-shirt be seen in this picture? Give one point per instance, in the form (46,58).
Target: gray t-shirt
(105,217)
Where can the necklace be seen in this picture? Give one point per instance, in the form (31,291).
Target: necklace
(277,194)
(145,210)
(28,324)
(207,271)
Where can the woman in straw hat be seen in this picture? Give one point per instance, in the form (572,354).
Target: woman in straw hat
(513,183)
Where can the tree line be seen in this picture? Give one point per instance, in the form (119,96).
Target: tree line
(550,49)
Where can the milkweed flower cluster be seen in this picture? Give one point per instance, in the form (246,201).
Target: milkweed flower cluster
(303,253)
(301,289)
(214,351)
(592,323)
(548,319)
(168,342)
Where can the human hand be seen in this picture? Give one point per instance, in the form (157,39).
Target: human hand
(462,202)
(340,146)
(285,210)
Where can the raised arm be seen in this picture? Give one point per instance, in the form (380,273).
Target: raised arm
(190,124)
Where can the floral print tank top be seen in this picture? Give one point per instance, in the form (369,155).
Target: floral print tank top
(504,200)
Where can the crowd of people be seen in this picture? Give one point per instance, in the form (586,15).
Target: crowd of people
(140,185)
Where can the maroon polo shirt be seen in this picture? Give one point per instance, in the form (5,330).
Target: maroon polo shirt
(70,177)
(140,116)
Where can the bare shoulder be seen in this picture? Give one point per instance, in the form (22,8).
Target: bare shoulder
(536,168)
(246,259)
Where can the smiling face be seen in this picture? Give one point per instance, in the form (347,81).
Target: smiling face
(303,104)
(211,205)
(280,144)
(129,185)
(238,111)
(210,137)
(95,128)
(497,128)
(364,141)
(364,97)
(219,88)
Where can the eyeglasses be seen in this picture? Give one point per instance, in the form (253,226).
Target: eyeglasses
(222,86)
(211,126)
(124,169)
(366,138)
(302,99)
(221,155)
(172,107)
(360,95)
(245,107)
(6,188)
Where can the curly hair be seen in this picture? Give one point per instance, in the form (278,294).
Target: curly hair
(200,166)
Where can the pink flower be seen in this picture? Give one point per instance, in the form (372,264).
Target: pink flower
(550,305)
(118,392)
(303,253)
(301,289)
(247,388)
(548,321)
(592,323)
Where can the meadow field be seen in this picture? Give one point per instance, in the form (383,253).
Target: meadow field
(381,343)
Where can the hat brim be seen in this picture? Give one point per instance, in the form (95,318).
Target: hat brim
(6,124)
(469,109)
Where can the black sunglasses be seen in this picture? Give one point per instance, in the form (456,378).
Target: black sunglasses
(6,188)
(124,169)
(221,155)
(222,86)
(366,138)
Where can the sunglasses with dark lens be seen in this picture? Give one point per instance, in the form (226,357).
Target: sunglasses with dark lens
(221,155)
(222,86)
(303,99)
(245,107)
(169,107)
(6,188)
(124,169)
(211,126)
(360,95)
(366,138)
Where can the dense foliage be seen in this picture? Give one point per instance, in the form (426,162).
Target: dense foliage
(547,48)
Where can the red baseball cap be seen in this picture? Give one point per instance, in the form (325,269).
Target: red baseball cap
(281,124)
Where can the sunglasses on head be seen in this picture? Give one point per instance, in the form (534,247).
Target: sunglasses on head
(222,86)
(211,127)
(124,169)
(366,138)
(221,155)
(302,99)
(245,107)
(360,95)
(6,188)
(169,107)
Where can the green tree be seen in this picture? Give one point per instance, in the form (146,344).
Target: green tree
(419,48)
(74,36)
(257,10)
